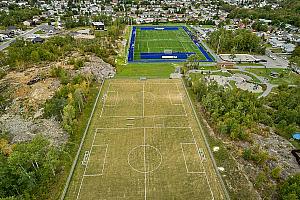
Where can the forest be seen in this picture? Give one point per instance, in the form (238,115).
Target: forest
(17,15)
(241,41)
(36,169)
(287,13)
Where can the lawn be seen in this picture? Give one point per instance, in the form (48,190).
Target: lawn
(153,70)
(241,72)
(285,76)
(144,143)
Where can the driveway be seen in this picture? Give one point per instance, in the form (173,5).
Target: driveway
(7,44)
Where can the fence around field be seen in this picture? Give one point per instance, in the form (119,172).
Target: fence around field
(165,57)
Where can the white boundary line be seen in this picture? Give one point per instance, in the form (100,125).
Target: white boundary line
(187,169)
(146,127)
(143,100)
(104,101)
(197,147)
(86,167)
(141,116)
(206,143)
(104,160)
(116,99)
(182,98)
(145,167)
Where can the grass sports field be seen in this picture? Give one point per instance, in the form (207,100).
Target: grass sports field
(144,142)
(157,41)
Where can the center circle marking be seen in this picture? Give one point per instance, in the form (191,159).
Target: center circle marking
(138,158)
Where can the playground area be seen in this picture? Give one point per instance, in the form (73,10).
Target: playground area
(240,81)
(144,142)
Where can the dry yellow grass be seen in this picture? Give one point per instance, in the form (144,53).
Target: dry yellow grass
(144,143)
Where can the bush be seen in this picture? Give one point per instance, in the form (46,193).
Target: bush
(78,64)
(2,73)
(290,189)
(275,173)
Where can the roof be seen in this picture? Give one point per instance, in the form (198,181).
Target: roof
(98,23)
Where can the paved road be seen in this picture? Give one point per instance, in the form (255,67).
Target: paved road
(263,80)
(7,44)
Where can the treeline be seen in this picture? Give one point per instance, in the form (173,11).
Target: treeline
(17,15)
(23,54)
(241,40)
(288,13)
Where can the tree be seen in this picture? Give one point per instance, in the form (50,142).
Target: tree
(69,114)
(290,189)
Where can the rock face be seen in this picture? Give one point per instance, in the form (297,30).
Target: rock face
(280,149)
(98,68)
(21,129)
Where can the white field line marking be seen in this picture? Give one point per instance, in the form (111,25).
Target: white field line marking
(150,127)
(196,145)
(104,161)
(137,116)
(115,99)
(182,103)
(187,169)
(143,100)
(137,83)
(103,103)
(201,163)
(86,166)
(205,141)
(145,167)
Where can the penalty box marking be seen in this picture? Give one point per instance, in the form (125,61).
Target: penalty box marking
(116,98)
(104,160)
(93,175)
(185,159)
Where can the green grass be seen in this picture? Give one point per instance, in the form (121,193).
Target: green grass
(256,80)
(249,64)
(157,158)
(207,26)
(213,67)
(153,70)
(276,50)
(39,32)
(156,41)
(285,76)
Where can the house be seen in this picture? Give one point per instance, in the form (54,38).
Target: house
(98,25)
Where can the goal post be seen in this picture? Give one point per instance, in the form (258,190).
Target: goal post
(168,51)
